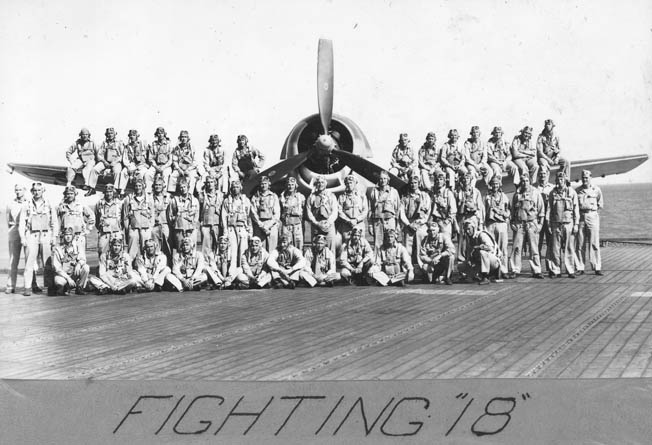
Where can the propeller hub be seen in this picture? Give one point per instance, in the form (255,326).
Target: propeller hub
(325,143)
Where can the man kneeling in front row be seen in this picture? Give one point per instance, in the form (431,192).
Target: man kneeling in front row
(287,265)
(320,263)
(436,253)
(393,264)
(481,259)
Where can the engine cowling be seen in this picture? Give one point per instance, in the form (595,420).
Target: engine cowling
(349,137)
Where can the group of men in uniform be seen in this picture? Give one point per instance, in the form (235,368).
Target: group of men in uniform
(148,240)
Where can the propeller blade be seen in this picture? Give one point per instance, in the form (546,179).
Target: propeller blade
(276,172)
(366,169)
(325,82)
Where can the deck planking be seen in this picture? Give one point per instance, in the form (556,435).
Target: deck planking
(588,327)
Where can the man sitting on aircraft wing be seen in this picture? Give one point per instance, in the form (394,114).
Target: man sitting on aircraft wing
(402,163)
(499,156)
(109,160)
(82,157)
(548,150)
(428,161)
(247,161)
(451,158)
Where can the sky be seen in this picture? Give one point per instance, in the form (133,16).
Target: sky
(232,67)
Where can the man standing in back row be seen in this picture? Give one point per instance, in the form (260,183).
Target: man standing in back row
(588,233)
(563,219)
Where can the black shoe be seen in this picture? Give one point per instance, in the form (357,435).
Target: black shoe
(484,280)
(558,275)
(291,285)
(36,289)
(329,284)
(80,291)
(90,192)
(537,275)
(580,272)
(510,275)
(599,272)
(157,288)
(551,274)
(448,281)
(571,275)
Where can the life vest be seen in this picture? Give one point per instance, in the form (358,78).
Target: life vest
(390,260)
(186,211)
(266,206)
(434,247)
(351,205)
(384,206)
(86,152)
(475,150)
(321,206)
(429,155)
(140,213)
(453,155)
(118,266)
(561,210)
(161,153)
(292,210)
(237,211)
(38,218)
(112,152)
(72,215)
(355,254)
(441,206)
(415,206)
(468,206)
(525,206)
(161,203)
(497,210)
(109,216)
(211,205)
(136,153)
(188,264)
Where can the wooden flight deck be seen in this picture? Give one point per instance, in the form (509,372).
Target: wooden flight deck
(557,328)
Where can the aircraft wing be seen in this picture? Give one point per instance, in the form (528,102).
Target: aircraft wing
(47,174)
(606,166)
(55,175)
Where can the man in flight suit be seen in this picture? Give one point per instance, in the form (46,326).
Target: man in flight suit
(414,214)
(402,162)
(384,208)
(109,159)
(321,264)
(266,214)
(563,217)
(138,218)
(72,213)
(293,206)
(210,203)
(15,245)
(528,213)
(108,219)
(524,154)
(287,266)
(353,209)
(356,258)
(393,264)
(588,232)
(322,210)
(236,219)
(82,156)
(437,254)
(247,161)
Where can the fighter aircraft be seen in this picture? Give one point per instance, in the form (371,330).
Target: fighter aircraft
(334,146)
